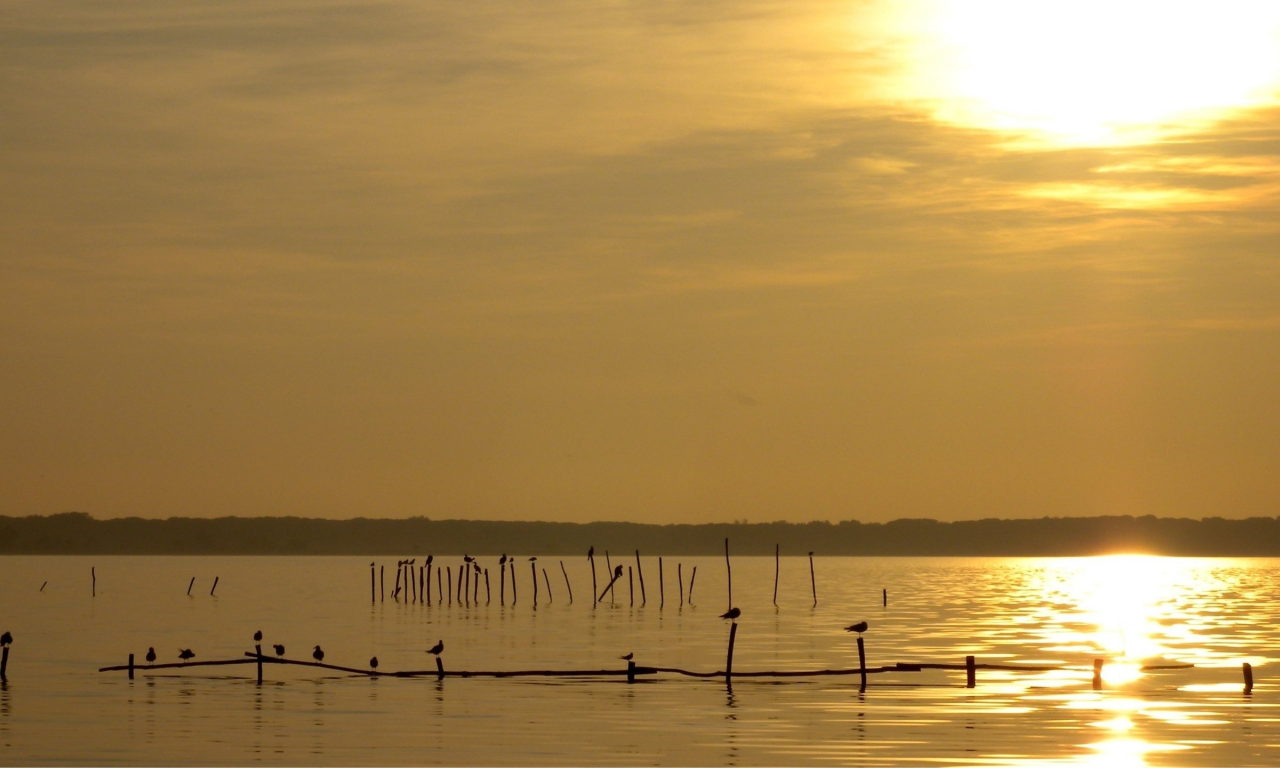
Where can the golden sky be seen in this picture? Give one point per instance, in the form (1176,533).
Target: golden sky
(661,261)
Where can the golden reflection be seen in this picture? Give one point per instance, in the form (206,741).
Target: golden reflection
(1092,71)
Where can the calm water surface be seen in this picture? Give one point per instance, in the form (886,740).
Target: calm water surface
(1216,614)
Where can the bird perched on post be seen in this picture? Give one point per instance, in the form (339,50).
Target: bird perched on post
(151,655)
(6,638)
(617,572)
(467,558)
(532,559)
(628,657)
(257,636)
(317,654)
(437,648)
(186,654)
(591,552)
(430,558)
(279,650)
(731,614)
(373,663)
(860,627)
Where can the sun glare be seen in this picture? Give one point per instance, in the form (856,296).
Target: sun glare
(1096,71)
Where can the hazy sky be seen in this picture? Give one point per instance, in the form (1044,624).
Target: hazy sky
(661,261)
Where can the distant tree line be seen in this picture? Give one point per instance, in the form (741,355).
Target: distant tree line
(79,533)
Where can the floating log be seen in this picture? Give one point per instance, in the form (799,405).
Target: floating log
(640,573)
(777,568)
(1247,669)
(728,571)
(862,664)
(215,586)
(566,582)
(547,579)
(189,586)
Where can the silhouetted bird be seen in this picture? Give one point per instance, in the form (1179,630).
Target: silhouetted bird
(437,648)
(532,559)
(502,560)
(628,657)
(731,614)
(257,636)
(317,654)
(810,554)
(467,558)
(860,627)
(6,638)
(186,654)
(373,663)
(279,650)
(591,552)
(151,655)
(430,558)
(617,571)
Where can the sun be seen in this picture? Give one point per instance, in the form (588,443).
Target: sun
(1095,71)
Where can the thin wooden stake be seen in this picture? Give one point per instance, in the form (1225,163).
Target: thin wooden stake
(631,587)
(449,573)
(728,663)
(423,595)
(488,596)
(439,587)
(1247,668)
(215,585)
(547,579)
(970,672)
(591,556)
(777,568)
(502,583)
(130,663)
(640,573)
(692,578)
(382,583)
(813,580)
(439,668)
(42,586)
(413,586)
(257,649)
(608,567)
(662,592)
(566,582)
(475,597)
(189,586)
(728,570)
(514,591)
(4,664)
(533,568)
(862,664)
(395,593)
(464,590)
(609,587)
(680,581)
(93,574)
(884,595)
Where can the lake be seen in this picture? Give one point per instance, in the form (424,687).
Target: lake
(1130,610)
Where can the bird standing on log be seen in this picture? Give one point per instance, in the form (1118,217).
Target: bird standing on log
(437,649)
(151,655)
(731,614)
(373,663)
(317,654)
(186,654)
(279,650)
(860,627)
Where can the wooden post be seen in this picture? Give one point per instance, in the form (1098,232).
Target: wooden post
(93,574)
(215,586)
(728,570)
(566,582)
(423,595)
(592,558)
(6,652)
(533,569)
(382,583)
(1247,668)
(488,596)
(631,671)
(728,662)
(502,583)
(692,578)
(547,580)
(439,587)
(4,665)
(884,594)
(413,587)
(449,573)
(680,580)
(640,573)
(1097,674)
(42,586)
(439,668)
(395,593)
(862,665)
(662,591)
(777,568)
(464,591)
(189,586)
(813,580)
(631,587)
(608,588)
(608,568)
(257,649)
(475,597)
(514,591)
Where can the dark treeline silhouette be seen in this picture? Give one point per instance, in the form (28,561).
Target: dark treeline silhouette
(79,533)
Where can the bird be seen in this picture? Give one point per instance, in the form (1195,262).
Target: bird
(151,655)
(617,571)
(373,663)
(437,648)
(279,650)
(591,552)
(257,636)
(731,614)
(467,558)
(532,559)
(430,558)
(6,638)
(860,627)
(628,657)
(186,654)
(317,654)
(502,560)
(810,554)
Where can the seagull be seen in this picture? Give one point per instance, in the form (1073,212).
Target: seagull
(6,638)
(373,663)
(151,655)
(317,654)
(257,636)
(279,650)
(185,654)
(628,657)
(437,648)
(731,614)
(860,627)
